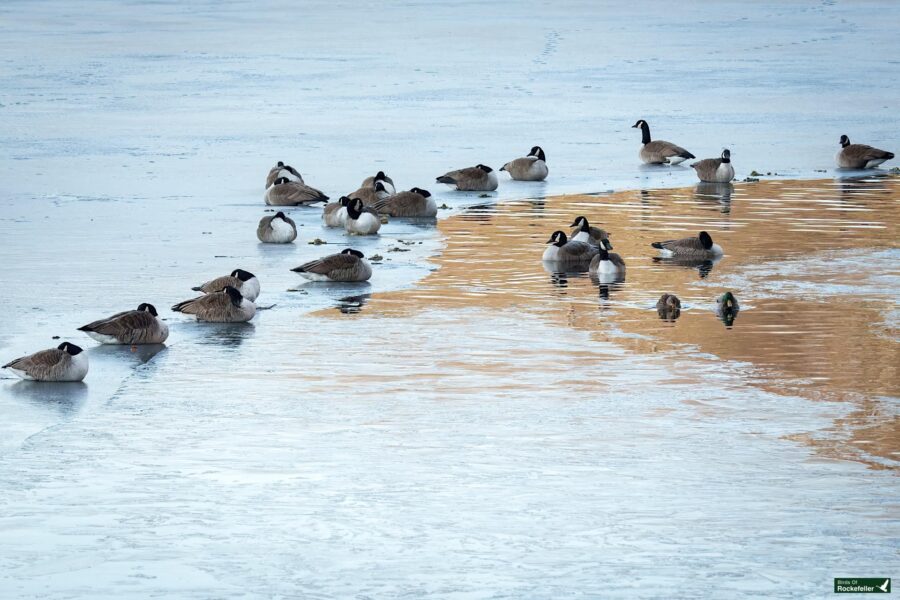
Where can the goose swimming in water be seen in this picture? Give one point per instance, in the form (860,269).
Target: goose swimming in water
(583,232)
(607,267)
(561,249)
(696,248)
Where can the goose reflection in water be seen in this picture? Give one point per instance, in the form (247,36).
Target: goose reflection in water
(139,354)
(66,398)
(714,195)
(857,185)
(606,288)
(704,267)
(352,305)
(224,335)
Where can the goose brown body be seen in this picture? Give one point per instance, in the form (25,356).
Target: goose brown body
(225,306)
(349,265)
(292,193)
(141,326)
(479,178)
(414,203)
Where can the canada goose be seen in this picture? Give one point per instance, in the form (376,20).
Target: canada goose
(479,178)
(277,229)
(349,265)
(715,170)
(283,170)
(606,265)
(66,362)
(372,193)
(668,307)
(660,152)
(860,156)
(698,248)
(334,214)
(727,308)
(414,203)
(380,176)
(361,221)
(224,306)
(141,326)
(532,167)
(285,192)
(562,249)
(583,232)
(240,279)
(614,258)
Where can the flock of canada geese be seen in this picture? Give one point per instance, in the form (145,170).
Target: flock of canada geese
(230,298)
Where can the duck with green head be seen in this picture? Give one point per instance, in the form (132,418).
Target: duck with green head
(727,308)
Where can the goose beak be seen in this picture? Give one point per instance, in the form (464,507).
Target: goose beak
(550,241)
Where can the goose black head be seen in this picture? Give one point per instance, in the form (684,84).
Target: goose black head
(280,215)
(421,192)
(242,274)
(606,244)
(379,186)
(581,222)
(145,307)
(484,168)
(280,164)
(645,130)
(233,294)
(726,155)
(70,348)
(353,252)
(558,239)
(845,141)
(706,240)
(355,208)
(344,201)
(539,152)
(281,180)
(380,176)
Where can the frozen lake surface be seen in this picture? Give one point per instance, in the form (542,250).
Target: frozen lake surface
(466,425)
